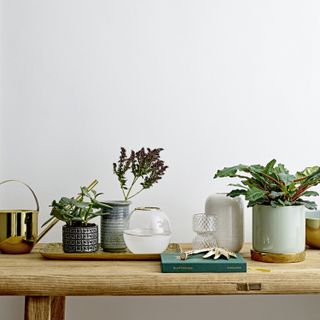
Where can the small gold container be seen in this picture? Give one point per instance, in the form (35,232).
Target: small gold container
(313,229)
(18,227)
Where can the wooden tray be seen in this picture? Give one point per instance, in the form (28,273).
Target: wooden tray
(54,251)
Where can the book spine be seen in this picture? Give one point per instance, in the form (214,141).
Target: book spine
(178,268)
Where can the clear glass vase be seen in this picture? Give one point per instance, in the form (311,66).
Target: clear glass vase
(204,226)
(147,231)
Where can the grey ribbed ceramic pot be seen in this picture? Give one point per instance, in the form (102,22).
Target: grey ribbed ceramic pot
(113,224)
(80,239)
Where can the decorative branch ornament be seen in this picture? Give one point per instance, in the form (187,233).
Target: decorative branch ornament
(213,252)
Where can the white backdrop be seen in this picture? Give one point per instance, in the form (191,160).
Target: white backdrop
(214,83)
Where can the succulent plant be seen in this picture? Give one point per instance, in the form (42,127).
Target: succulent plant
(273,184)
(79,211)
(145,166)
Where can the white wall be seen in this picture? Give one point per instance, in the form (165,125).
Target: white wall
(214,83)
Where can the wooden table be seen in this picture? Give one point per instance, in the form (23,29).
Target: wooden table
(46,283)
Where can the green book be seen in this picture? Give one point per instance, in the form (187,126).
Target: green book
(171,263)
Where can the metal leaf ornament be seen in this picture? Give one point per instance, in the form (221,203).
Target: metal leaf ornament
(213,252)
(216,253)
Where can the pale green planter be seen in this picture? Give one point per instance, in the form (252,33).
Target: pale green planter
(278,230)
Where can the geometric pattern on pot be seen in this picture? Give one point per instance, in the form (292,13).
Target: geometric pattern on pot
(80,239)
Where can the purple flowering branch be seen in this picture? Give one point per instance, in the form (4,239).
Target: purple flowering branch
(144,165)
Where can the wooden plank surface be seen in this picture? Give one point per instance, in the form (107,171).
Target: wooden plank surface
(31,275)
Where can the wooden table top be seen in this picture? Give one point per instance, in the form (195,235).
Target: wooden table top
(32,275)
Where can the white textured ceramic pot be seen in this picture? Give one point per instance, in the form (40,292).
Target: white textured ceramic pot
(278,230)
(229,225)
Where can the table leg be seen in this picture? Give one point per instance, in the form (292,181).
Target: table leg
(37,308)
(57,308)
(44,308)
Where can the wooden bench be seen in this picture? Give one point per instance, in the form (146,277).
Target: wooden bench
(46,283)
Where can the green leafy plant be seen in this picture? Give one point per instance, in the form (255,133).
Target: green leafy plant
(273,184)
(78,212)
(145,166)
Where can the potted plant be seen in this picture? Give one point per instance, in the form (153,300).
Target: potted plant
(78,234)
(279,200)
(136,172)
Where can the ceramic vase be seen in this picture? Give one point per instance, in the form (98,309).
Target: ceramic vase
(279,230)
(313,229)
(113,225)
(80,239)
(229,232)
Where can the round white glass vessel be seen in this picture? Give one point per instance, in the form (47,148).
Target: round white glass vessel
(147,231)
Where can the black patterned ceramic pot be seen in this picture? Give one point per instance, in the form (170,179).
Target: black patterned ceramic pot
(80,239)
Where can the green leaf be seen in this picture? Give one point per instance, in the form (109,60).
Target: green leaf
(274,204)
(275,194)
(97,204)
(311,205)
(100,213)
(65,201)
(230,171)
(261,181)
(310,194)
(286,178)
(85,191)
(280,168)
(307,172)
(77,219)
(255,194)
(270,165)
(253,203)
(313,178)
(79,204)
(257,168)
(237,193)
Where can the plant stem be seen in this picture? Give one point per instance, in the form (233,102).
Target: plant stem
(299,192)
(88,212)
(300,179)
(135,194)
(272,179)
(126,197)
(124,194)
